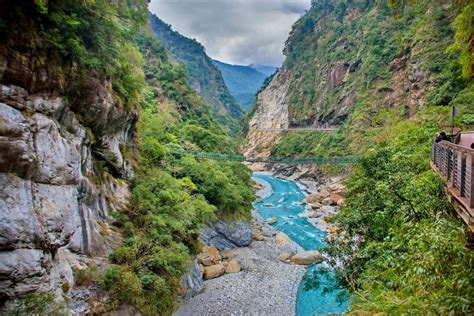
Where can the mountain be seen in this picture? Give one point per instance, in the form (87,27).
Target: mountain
(203,74)
(386,74)
(264,69)
(243,82)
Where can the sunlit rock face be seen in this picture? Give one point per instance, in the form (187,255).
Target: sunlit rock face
(271,114)
(55,201)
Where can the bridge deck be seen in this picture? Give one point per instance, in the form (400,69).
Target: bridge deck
(455,163)
(299,129)
(274,160)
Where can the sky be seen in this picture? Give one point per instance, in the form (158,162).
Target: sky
(234,31)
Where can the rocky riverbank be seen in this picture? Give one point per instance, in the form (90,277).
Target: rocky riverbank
(265,285)
(263,278)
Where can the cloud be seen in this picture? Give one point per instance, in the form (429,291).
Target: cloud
(234,31)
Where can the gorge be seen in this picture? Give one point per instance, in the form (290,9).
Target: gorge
(104,210)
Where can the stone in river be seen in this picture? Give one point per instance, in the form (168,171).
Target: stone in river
(233,267)
(307,258)
(214,271)
(272,220)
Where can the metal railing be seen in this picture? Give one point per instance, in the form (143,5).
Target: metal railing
(274,160)
(456,164)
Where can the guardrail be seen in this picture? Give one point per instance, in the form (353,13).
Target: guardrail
(455,163)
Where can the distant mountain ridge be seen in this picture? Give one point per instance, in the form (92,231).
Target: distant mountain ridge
(264,69)
(243,81)
(203,74)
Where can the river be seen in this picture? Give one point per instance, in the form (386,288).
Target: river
(285,203)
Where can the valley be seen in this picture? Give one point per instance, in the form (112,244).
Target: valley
(142,175)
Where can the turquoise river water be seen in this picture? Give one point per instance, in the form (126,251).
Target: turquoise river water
(285,203)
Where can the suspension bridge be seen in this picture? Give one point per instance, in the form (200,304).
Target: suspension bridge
(274,160)
(299,129)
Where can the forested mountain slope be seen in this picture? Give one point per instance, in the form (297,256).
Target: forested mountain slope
(386,73)
(92,112)
(264,69)
(203,74)
(243,82)
(361,64)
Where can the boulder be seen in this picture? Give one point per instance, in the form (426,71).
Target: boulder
(313,214)
(328,209)
(315,206)
(258,237)
(337,188)
(285,256)
(307,258)
(227,234)
(214,271)
(316,197)
(337,198)
(233,267)
(228,254)
(272,220)
(267,232)
(327,201)
(282,239)
(209,256)
(285,244)
(333,229)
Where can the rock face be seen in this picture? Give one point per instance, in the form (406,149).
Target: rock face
(193,282)
(271,113)
(326,74)
(54,203)
(227,235)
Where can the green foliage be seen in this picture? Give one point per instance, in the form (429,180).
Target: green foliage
(464,25)
(88,276)
(38,304)
(403,254)
(172,198)
(421,267)
(202,74)
(311,144)
(97,37)
(226,185)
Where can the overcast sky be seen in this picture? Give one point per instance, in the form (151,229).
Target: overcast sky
(234,31)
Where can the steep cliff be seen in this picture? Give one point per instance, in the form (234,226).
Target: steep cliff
(203,74)
(63,134)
